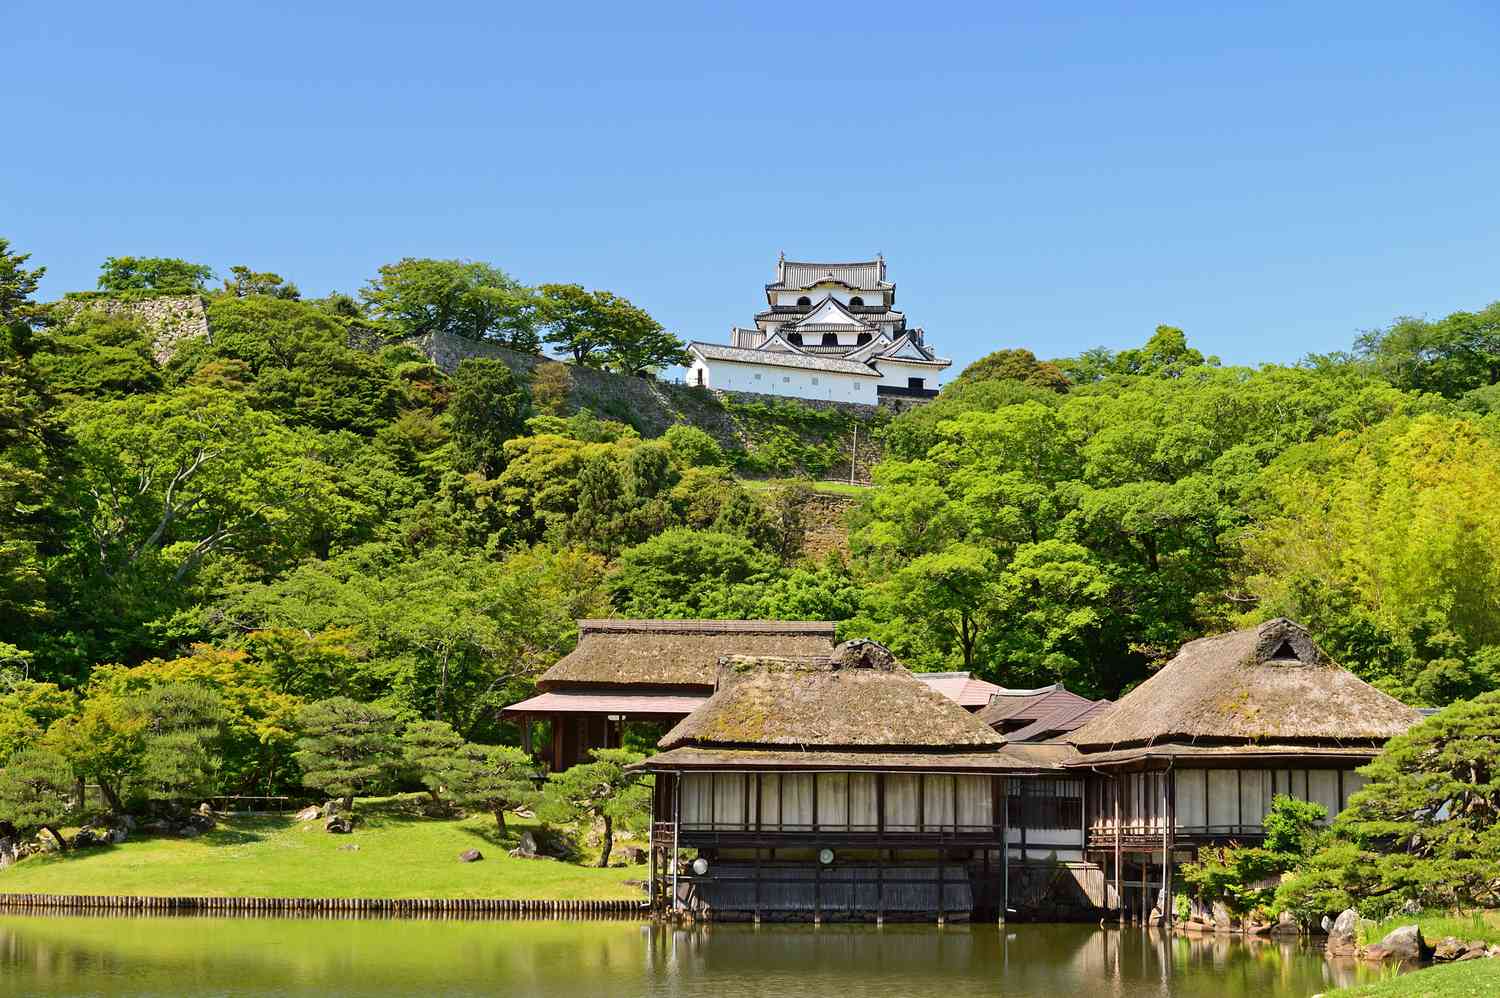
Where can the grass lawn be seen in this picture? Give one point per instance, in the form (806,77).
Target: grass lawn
(1436,925)
(401,854)
(1471,979)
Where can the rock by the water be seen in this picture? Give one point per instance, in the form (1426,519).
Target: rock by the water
(1224,919)
(470,856)
(338,825)
(1343,934)
(310,813)
(1286,925)
(1405,944)
(527,845)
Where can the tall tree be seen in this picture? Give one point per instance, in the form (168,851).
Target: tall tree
(601,329)
(487,407)
(247,282)
(17,308)
(167,275)
(459,297)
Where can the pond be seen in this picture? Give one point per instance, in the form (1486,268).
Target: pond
(138,956)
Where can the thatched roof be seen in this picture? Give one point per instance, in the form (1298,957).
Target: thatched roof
(741,760)
(858,697)
(1262,685)
(667,653)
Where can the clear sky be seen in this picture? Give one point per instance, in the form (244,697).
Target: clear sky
(1054,176)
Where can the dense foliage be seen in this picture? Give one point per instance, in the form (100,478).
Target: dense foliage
(1424,831)
(303,509)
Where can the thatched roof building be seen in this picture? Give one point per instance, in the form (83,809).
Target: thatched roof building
(854,708)
(1264,689)
(645,671)
(675,653)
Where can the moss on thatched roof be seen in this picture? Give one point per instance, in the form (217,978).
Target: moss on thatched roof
(1264,684)
(657,653)
(858,697)
(1008,759)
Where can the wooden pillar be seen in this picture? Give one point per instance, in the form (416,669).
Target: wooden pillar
(1005,848)
(942,907)
(1166,848)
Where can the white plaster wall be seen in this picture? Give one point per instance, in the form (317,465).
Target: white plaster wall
(894,372)
(791,382)
(839,295)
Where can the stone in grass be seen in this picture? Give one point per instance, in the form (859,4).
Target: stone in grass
(1448,948)
(339,825)
(311,812)
(470,856)
(349,847)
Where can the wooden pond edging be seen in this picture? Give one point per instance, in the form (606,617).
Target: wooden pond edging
(348,907)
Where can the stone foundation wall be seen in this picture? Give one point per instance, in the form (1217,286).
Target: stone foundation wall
(171,319)
(649,405)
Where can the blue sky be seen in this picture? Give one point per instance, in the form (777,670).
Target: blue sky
(1272,180)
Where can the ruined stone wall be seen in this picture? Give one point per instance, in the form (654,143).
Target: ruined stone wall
(171,319)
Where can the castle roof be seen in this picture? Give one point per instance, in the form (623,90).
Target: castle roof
(780,358)
(860,275)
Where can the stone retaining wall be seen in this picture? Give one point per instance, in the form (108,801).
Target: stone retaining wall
(171,319)
(352,907)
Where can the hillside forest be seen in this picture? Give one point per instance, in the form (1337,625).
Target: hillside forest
(306,508)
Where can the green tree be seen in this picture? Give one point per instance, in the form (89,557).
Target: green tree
(597,329)
(1425,828)
(551,387)
(601,791)
(693,447)
(488,407)
(36,789)
(465,298)
(247,282)
(1451,356)
(167,275)
(679,571)
(27,708)
(18,310)
(103,742)
(183,730)
(1376,541)
(430,749)
(348,748)
(492,778)
(97,354)
(1016,365)
(1243,877)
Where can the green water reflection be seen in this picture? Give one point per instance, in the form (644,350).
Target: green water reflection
(56,955)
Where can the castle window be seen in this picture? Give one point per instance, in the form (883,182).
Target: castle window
(863,338)
(815,381)
(856,302)
(794,338)
(830,339)
(786,379)
(804,302)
